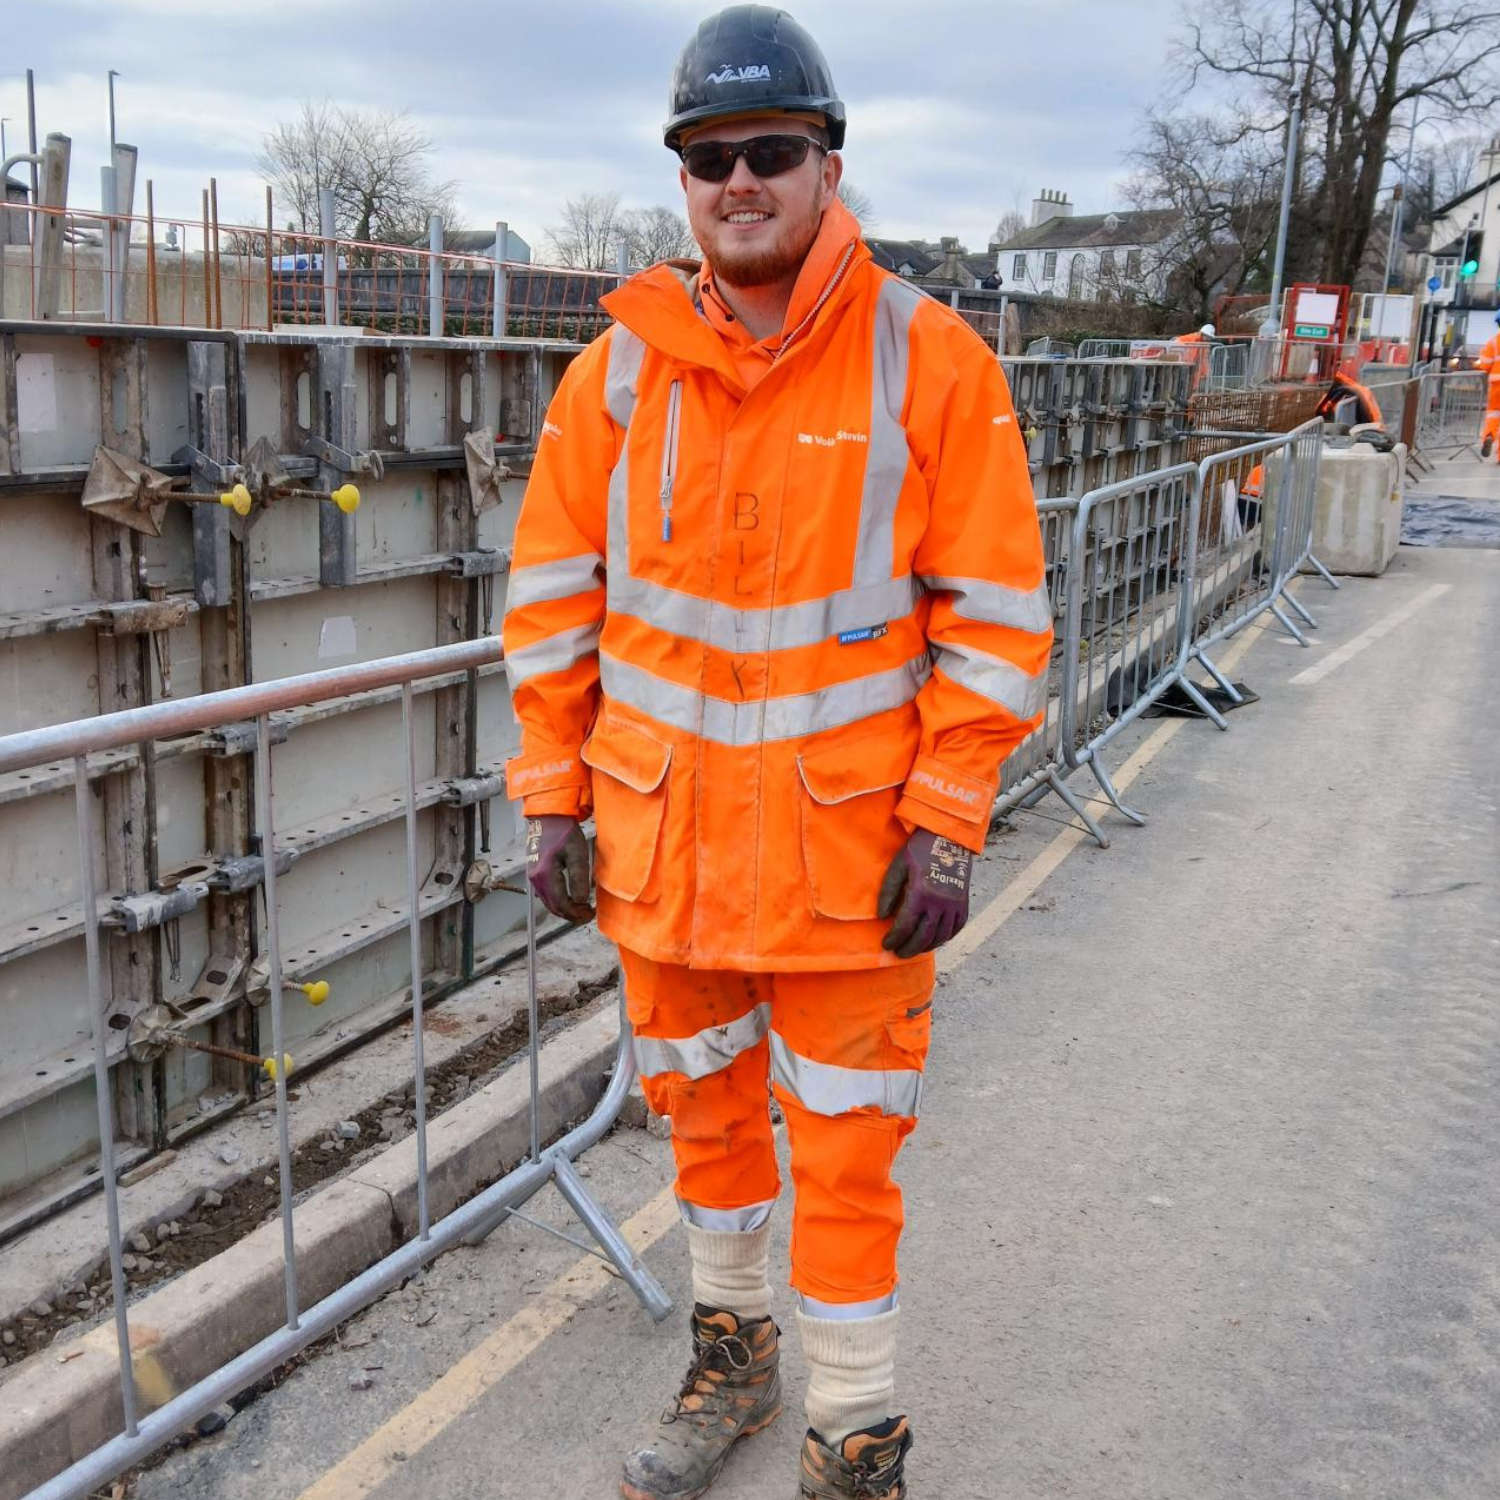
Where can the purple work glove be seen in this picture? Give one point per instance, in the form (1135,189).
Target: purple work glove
(926,889)
(557,865)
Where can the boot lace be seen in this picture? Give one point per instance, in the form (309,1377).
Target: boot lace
(730,1354)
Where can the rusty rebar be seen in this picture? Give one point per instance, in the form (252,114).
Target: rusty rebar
(150,254)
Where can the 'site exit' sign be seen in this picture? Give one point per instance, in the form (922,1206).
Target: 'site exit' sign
(1312,330)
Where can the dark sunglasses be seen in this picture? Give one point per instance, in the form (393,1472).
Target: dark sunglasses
(765,155)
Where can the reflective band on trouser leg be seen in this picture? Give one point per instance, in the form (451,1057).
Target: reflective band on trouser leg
(700,1047)
(847,1058)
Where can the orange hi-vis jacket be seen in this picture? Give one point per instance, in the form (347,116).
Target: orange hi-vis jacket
(771,607)
(1489,362)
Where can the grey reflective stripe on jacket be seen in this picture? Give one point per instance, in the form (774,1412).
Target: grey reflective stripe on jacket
(554,653)
(993,677)
(561,579)
(827,1089)
(996,603)
(726,722)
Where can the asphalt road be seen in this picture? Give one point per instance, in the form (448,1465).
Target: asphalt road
(1203,1202)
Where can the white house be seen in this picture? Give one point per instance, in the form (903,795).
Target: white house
(1087,257)
(1465,229)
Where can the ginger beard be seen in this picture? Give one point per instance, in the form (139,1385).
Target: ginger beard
(772,250)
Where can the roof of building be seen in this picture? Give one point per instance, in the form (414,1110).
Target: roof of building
(926,259)
(893,254)
(1142,226)
(1444,209)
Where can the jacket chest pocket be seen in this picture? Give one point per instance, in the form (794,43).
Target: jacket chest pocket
(850,832)
(630,801)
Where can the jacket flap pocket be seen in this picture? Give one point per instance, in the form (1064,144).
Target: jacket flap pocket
(835,773)
(628,754)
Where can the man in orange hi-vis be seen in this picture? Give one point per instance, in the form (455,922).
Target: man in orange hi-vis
(776,615)
(1489,362)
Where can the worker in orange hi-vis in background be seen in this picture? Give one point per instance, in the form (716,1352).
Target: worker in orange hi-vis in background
(777,614)
(1489,362)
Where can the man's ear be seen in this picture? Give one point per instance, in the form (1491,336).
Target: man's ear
(682,177)
(833,174)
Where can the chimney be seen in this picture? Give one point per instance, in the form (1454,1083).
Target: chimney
(951,269)
(1051,204)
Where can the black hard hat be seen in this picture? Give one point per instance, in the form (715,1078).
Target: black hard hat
(751,59)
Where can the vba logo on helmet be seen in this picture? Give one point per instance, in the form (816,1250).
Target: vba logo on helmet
(752,73)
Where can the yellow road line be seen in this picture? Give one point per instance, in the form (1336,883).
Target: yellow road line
(489,1362)
(424,1419)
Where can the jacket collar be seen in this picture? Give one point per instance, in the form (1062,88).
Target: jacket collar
(660,305)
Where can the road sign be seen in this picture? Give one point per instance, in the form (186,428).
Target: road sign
(1434,283)
(1312,330)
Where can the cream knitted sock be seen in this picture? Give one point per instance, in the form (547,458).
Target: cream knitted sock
(851,1372)
(731,1269)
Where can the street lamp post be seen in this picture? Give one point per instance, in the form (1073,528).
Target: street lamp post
(114,73)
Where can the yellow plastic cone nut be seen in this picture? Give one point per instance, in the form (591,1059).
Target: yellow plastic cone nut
(269,1065)
(316,991)
(238,500)
(346,497)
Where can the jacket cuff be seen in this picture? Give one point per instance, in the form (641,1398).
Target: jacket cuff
(948,802)
(555,782)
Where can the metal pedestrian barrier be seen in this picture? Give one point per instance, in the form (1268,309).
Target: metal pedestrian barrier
(1159,571)
(145,1430)
(1450,413)
(1126,591)
(1039,764)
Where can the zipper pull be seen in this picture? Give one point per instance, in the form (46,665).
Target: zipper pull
(666,526)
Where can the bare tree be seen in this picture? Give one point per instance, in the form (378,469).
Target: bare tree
(857,201)
(1216,187)
(1357,66)
(656,234)
(1453,165)
(376,163)
(587,237)
(1012,223)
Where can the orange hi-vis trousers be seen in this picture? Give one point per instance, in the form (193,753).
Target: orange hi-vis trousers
(844,1053)
(1491,427)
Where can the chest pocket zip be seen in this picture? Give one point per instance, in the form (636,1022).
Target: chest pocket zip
(669,457)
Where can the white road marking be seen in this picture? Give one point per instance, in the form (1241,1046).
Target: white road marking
(1350,649)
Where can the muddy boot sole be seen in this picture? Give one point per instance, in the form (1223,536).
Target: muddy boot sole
(635,1492)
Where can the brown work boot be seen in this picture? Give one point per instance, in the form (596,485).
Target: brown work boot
(731,1389)
(867,1466)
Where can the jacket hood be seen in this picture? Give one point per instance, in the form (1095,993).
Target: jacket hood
(659,304)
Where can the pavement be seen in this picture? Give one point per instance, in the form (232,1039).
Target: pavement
(1202,1201)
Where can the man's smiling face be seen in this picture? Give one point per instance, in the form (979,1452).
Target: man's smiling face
(757,231)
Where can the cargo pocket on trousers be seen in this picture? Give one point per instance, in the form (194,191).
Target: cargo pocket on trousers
(630,801)
(850,832)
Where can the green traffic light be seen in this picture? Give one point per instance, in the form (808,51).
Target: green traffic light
(1469,268)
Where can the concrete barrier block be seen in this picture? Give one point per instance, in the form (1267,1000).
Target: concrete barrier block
(1357,522)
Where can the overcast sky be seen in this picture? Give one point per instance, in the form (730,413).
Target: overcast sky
(957,110)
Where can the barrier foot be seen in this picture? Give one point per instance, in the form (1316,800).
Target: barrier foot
(597,1222)
(1206,708)
(1228,687)
(1079,811)
(1290,628)
(1101,775)
(1301,609)
(1328,577)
